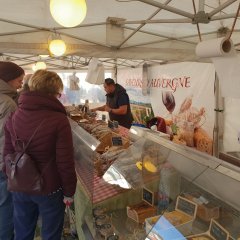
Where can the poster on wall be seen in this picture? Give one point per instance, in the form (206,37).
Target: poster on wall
(182,96)
(131,80)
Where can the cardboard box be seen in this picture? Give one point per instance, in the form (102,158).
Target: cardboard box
(205,211)
(215,232)
(181,218)
(145,209)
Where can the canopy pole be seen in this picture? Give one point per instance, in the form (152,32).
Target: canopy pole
(201,6)
(143,24)
(221,7)
(216,123)
(115,69)
(168,8)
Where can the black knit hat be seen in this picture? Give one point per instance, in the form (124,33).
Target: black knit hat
(10,71)
(109,81)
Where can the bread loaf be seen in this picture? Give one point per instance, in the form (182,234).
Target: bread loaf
(202,141)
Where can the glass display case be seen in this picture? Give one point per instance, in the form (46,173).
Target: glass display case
(154,189)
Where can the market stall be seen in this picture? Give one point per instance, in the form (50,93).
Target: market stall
(126,180)
(144,181)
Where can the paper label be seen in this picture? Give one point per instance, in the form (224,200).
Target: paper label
(148,196)
(186,206)
(218,232)
(117,141)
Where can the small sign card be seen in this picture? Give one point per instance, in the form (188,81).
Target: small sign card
(110,124)
(148,196)
(217,231)
(117,141)
(186,206)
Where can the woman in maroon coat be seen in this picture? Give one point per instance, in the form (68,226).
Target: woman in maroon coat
(52,150)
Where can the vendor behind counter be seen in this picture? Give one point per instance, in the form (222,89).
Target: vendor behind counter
(117,103)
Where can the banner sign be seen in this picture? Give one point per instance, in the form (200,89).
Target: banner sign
(182,94)
(131,80)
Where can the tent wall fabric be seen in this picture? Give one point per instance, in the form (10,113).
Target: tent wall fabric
(125,33)
(231,135)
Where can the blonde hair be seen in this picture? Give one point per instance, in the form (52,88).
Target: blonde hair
(46,81)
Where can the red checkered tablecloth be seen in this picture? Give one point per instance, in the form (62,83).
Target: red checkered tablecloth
(95,187)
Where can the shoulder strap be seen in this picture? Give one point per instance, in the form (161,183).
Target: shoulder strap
(25,147)
(34,133)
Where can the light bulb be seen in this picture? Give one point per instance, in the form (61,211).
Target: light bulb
(38,66)
(44,56)
(57,47)
(68,13)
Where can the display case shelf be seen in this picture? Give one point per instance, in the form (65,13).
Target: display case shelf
(167,169)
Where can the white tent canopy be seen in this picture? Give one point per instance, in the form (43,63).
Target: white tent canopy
(123,32)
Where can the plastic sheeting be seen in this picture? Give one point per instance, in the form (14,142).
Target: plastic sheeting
(95,74)
(231,125)
(226,62)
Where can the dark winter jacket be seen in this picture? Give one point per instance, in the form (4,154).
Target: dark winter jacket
(112,102)
(7,106)
(52,146)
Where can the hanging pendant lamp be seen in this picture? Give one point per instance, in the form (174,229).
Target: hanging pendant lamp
(57,47)
(38,66)
(68,13)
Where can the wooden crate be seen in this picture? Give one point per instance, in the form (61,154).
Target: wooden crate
(181,218)
(205,211)
(215,232)
(141,211)
(106,142)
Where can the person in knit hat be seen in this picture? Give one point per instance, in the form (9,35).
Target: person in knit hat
(11,77)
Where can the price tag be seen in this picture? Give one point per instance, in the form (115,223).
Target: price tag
(110,124)
(117,141)
(148,196)
(218,232)
(186,206)
(104,117)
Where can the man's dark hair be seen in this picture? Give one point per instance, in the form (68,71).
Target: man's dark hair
(109,81)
